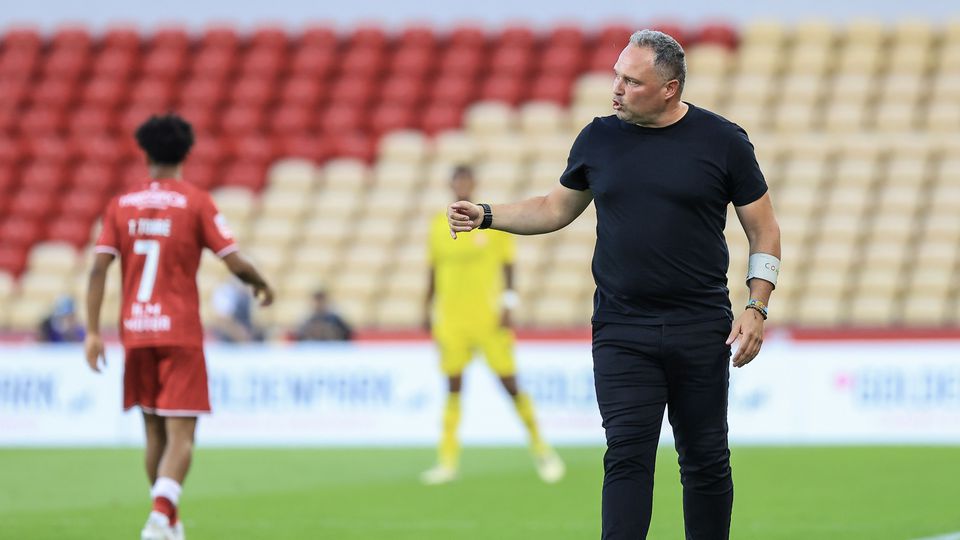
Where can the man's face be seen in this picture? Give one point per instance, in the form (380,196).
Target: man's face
(639,94)
(462,186)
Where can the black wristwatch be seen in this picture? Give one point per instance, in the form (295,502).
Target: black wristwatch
(487,216)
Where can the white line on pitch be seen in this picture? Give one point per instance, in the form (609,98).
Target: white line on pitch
(948,536)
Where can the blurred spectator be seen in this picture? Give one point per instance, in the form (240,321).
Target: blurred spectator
(323,324)
(61,326)
(233,314)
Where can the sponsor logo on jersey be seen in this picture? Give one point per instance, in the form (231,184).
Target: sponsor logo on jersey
(154,199)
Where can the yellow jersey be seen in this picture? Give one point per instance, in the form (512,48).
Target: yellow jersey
(468,273)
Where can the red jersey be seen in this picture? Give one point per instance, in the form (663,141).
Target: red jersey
(159,231)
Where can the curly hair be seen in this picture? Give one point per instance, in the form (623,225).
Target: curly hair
(166,139)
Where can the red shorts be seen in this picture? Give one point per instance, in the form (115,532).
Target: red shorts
(166,381)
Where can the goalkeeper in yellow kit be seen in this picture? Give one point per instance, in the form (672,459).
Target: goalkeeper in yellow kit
(469,302)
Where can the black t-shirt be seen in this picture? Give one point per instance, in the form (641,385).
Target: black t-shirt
(661,196)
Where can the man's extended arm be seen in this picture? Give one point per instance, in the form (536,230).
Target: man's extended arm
(536,215)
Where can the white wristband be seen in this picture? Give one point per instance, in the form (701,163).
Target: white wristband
(510,299)
(763,266)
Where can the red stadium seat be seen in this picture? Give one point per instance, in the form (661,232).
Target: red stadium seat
(511,60)
(219,37)
(343,118)
(603,57)
(247,174)
(47,177)
(9,118)
(202,175)
(11,150)
(457,90)
(414,61)
(562,60)
(252,92)
(205,93)
(13,92)
(53,93)
(417,36)
(71,37)
(152,93)
(215,63)
(132,174)
(41,121)
(13,259)
(441,116)
(121,38)
(94,177)
(263,63)
(66,64)
(717,33)
(18,64)
(554,88)
(19,232)
(104,92)
(353,145)
(462,61)
(207,150)
(70,229)
(134,115)
(516,36)
(508,89)
(32,205)
(364,61)
(304,91)
(9,180)
(303,146)
(252,148)
(364,36)
(22,38)
(164,63)
(403,89)
(269,37)
(318,36)
(565,35)
(115,64)
(203,118)
(101,148)
(467,35)
(170,38)
(673,30)
(241,120)
(315,61)
(50,150)
(353,90)
(614,36)
(92,120)
(390,117)
(291,119)
(82,204)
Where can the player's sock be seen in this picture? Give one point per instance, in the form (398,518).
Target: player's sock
(449,451)
(524,405)
(166,496)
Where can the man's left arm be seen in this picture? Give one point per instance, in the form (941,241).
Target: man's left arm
(763,234)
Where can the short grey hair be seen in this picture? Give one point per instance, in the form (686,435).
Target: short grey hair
(669,58)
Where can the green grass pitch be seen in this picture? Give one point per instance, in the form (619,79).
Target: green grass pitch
(876,493)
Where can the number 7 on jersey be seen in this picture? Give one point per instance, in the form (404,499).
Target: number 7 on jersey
(151,249)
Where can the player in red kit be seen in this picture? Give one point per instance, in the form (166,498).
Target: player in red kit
(159,230)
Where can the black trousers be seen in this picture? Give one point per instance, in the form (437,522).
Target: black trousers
(638,370)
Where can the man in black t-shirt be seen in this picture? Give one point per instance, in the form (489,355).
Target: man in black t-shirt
(661,172)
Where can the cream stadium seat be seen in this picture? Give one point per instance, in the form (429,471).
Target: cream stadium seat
(274,231)
(544,174)
(236,204)
(373,230)
(813,31)
(404,146)
(28,313)
(813,60)
(43,285)
(713,61)
(560,312)
(751,89)
(941,117)
(277,204)
(552,146)
(489,118)
(387,205)
(271,258)
(794,116)
(817,307)
(864,32)
(913,32)
(502,175)
(911,59)
(288,312)
(335,204)
(304,278)
(510,146)
(398,312)
(876,309)
(851,89)
(397,176)
(752,117)
(704,90)
(802,88)
(583,114)
(761,60)
(858,172)
(894,118)
(53,258)
(860,59)
(453,147)
(595,90)
(845,117)
(293,175)
(807,171)
(324,231)
(538,118)
(763,33)
(946,86)
(345,174)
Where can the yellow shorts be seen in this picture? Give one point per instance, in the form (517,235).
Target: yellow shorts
(458,345)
